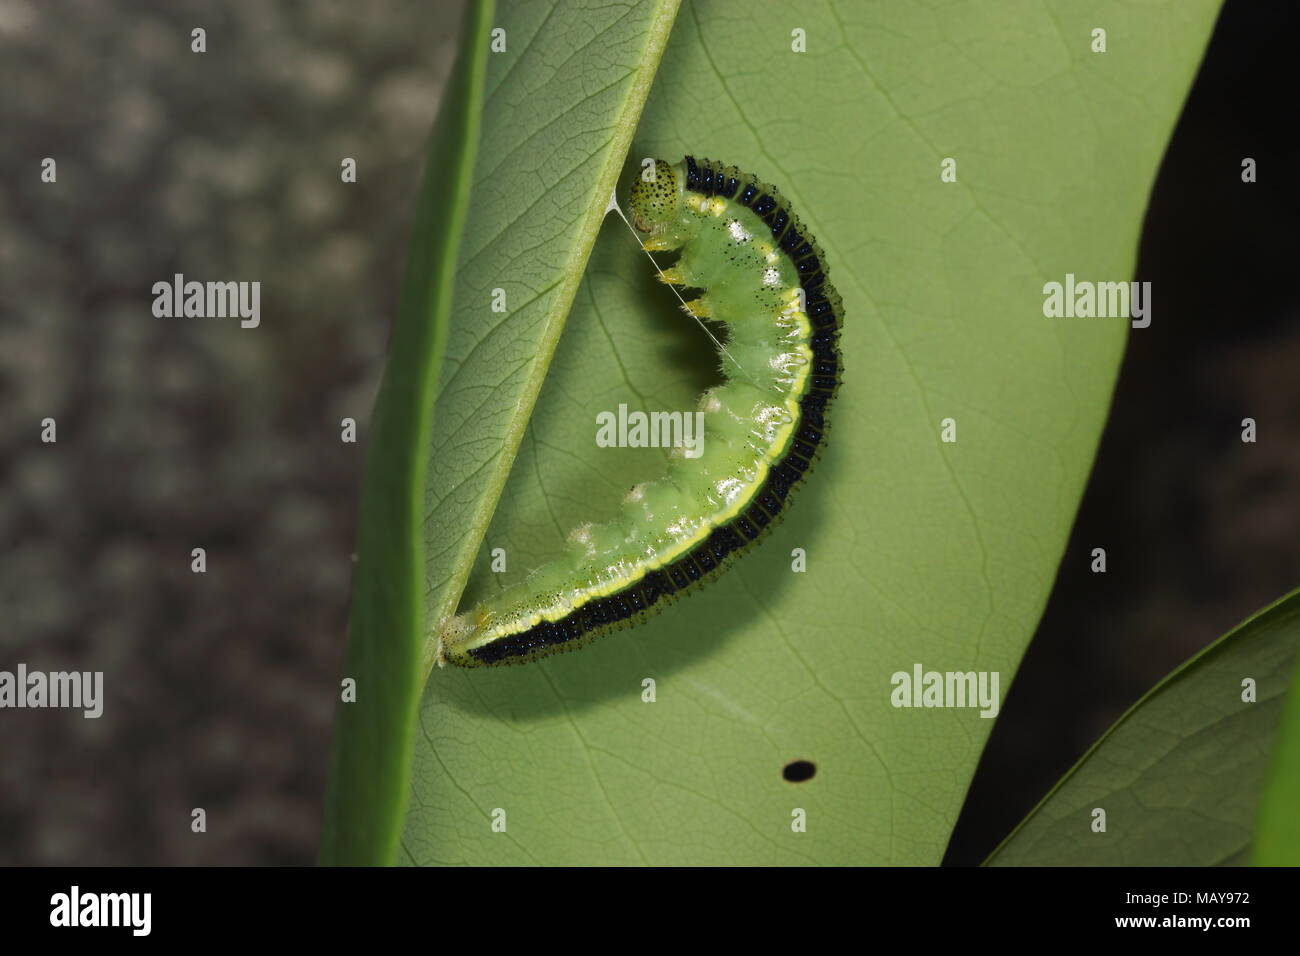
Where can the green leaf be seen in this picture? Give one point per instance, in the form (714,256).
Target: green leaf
(1277,827)
(1180,774)
(917,550)
(371,754)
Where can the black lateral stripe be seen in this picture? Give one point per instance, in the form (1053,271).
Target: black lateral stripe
(707,177)
(723,541)
(747,194)
(648,596)
(779,221)
(519,645)
(808,265)
(620,609)
(692,174)
(592,614)
(763,205)
(657,585)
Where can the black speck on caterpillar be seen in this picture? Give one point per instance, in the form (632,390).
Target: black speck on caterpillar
(764,277)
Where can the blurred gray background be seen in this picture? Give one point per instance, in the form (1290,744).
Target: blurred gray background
(183,433)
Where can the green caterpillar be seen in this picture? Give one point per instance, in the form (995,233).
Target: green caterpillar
(764,277)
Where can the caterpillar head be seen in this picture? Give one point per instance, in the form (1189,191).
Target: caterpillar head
(656,204)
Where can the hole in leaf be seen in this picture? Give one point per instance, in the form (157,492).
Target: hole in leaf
(797,771)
